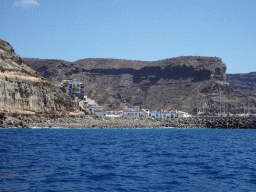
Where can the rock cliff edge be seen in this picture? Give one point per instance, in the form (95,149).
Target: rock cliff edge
(23,90)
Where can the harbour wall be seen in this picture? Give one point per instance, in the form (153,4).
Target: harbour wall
(86,121)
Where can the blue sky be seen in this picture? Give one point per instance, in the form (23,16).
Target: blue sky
(145,30)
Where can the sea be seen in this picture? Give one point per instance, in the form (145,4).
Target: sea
(127,159)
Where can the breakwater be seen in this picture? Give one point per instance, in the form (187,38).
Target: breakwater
(84,121)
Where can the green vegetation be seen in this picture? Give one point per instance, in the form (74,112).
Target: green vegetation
(75,88)
(65,83)
(233,113)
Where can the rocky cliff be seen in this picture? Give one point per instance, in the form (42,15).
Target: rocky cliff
(243,81)
(185,83)
(23,90)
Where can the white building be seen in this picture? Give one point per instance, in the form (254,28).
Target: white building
(97,110)
(154,114)
(73,83)
(89,101)
(181,114)
(144,112)
(130,112)
(158,114)
(168,115)
(171,114)
(94,108)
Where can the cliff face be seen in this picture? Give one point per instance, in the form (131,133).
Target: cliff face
(185,83)
(24,90)
(198,68)
(245,82)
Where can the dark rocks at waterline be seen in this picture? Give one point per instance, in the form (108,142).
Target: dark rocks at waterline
(83,121)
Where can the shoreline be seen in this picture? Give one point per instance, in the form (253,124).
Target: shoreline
(86,121)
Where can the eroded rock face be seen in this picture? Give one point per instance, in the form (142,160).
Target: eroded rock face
(243,81)
(115,83)
(182,83)
(24,90)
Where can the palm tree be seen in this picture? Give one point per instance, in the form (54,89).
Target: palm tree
(65,83)
(75,89)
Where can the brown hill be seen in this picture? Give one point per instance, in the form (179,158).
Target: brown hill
(24,90)
(185,83)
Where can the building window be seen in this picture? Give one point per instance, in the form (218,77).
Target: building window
(70,85)
(164,115)
(78,85)
(135,113)
(149,115)
(69,90)
(128,113)
(156,115)
(132,113)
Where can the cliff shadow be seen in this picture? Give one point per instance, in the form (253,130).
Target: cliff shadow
(154,74)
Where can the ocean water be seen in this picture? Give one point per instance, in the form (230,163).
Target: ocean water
(127,160)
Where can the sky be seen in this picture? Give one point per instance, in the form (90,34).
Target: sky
(146,30)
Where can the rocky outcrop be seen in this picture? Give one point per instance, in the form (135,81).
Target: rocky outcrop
(243,81)
(23,90)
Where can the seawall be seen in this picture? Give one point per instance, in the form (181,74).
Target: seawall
(83,121)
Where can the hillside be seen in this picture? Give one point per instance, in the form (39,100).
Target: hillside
(243,81)
(24,90)
(183,83)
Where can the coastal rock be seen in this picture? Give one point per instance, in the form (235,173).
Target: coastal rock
(24,90)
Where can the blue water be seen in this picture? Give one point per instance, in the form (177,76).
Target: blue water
(127,160)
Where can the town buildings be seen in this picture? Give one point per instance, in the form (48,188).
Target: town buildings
(136,112)
(76,89)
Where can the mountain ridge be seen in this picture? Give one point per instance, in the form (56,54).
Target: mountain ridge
(187,83)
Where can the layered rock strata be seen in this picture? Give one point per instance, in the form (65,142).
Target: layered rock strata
(243,81)
(183,83)
(23,90)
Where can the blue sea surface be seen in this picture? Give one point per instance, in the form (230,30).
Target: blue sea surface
(127,160)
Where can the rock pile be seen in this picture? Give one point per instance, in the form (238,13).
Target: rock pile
(83,121)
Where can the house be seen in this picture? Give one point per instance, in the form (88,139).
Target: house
(97,110)
(94,108)
(144,112)
(74,87)
(181,114)
(159,114)
(130,112)
(89,101)
(169,115)
(154,114)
